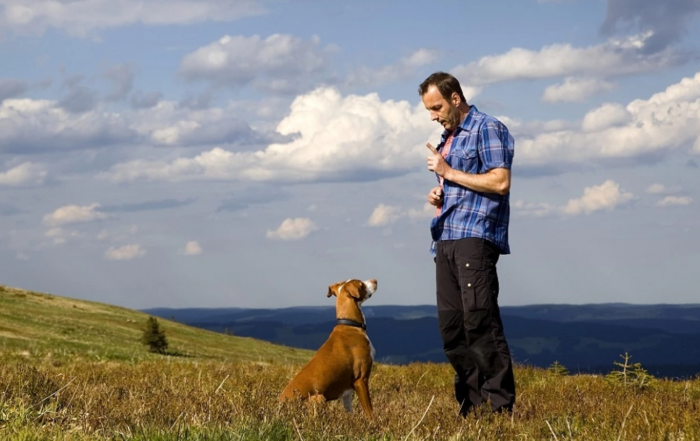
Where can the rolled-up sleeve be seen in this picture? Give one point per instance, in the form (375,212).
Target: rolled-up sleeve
(496,146)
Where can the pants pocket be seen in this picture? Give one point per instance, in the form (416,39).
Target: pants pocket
(475,283)
(476,293)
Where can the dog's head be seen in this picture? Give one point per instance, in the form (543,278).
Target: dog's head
(357,289)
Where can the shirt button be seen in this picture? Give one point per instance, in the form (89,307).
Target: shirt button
(469,285)
(467,265)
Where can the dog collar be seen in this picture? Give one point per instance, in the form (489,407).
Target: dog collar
(349,322)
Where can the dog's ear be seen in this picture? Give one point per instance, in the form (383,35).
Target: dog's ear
(333,290)
(353,288)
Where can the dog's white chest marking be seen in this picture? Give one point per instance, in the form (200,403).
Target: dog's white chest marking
(372,351)
(347,399)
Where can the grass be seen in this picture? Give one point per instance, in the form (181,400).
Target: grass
(104,386)
(175,400)
(36,326)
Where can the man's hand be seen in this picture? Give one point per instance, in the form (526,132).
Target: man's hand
(436,163)
(435,197)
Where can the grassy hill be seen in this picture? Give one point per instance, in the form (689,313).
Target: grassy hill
(67,372)
(47,327)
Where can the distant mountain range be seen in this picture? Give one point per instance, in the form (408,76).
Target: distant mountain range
(584,338)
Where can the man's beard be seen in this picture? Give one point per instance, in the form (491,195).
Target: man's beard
(453,118)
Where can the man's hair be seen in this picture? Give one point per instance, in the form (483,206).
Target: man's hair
(445,83)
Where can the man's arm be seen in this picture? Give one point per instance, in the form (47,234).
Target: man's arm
(496,180)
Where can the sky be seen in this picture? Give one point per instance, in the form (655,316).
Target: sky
(249,153)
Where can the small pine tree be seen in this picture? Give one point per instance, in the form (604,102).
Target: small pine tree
(632,374)
(154,337)
(558,369)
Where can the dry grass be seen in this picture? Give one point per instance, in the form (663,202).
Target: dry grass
(175,399)
(74,370)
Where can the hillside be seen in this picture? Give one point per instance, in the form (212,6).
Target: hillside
(44,326)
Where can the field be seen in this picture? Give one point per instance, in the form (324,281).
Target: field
(97,382)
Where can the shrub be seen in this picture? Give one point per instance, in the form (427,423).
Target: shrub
(154,337)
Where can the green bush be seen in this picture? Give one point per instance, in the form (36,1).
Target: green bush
(154,337)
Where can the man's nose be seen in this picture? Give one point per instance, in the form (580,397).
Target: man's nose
(433,116)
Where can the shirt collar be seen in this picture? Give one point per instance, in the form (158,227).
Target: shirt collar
(467,125)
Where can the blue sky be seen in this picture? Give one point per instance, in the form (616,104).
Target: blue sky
(250,153)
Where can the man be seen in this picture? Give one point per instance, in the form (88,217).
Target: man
(470,232)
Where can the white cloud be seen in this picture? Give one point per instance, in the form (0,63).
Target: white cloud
(575,90)
(53,232)
(536,127)
(120,235)
(127,252)
(404,68)
(168,124)
(426,212)
(384,215)
(28,126)
(663,189)
(674,201)
(534,209)
(57,235)
(379,139)
(192,248)
(71,214)
(81,17)
(613,58)
(386,138)
(31,126)
(666,22)
(667,121)
(25,174)
(293,229)
(606,196)
(420,57)
(279,62)
(60,236)
(606,116)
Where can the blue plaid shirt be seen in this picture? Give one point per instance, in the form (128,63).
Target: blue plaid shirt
(480,143)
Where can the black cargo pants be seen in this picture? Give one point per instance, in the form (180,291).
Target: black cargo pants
(470,323)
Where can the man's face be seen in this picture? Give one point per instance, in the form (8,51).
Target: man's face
(441,110)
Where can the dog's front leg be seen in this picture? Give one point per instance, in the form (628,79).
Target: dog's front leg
(362,388)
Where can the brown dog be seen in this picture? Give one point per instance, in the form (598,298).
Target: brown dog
(343,363)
